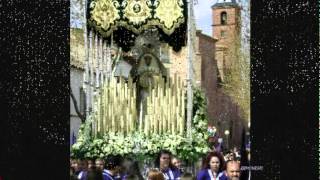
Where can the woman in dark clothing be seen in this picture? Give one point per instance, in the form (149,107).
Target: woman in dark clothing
(163,162)
(212,167)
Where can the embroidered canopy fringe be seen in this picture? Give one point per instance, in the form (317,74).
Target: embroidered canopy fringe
(125,19)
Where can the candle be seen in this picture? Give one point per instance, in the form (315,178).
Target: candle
(146,124)
(98,115)
(109,118)
(140,117)
(128,123)
(122,124)
(152,127)
(114,128)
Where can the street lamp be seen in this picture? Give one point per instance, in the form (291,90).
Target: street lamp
(227,132)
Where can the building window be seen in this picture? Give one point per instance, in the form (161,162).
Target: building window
(223,18)
(223,34)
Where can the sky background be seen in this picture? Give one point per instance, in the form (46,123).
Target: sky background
(203,15)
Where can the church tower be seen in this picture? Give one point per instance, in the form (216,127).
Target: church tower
(226,19)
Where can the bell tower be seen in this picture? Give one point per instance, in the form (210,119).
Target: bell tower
(226,28)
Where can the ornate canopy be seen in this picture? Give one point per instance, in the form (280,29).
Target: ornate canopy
(125,19)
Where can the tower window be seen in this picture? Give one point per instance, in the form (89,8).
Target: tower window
(223,18)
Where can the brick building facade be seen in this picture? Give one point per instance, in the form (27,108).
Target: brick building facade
(226,20)
(226,28)
(222,111)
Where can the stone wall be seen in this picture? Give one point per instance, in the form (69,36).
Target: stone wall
(178,60)
(76,79)
(208,71)
(178,63)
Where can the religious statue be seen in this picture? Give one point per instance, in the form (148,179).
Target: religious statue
(149,68)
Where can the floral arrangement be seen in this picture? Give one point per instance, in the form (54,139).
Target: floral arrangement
(141,146)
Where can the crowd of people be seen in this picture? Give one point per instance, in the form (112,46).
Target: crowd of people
(215,166)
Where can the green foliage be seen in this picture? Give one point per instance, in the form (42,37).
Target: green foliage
(200,116)
(237,82)
(143,147)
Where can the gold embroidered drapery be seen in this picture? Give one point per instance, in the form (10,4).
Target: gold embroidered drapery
(136,15)
(169,14)
(105,14)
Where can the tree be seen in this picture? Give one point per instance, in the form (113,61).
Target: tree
(75,104)
(237,80)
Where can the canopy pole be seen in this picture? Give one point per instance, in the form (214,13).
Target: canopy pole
(96,63)
(86,86)
(190,70)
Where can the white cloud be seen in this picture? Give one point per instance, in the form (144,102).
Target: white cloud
(203,15)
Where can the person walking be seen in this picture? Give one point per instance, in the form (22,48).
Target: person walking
(155,174)
(176,162)
(163,162)
(212,167)
(233,170)
(113,167)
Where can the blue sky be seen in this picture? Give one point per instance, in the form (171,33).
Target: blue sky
(203,15)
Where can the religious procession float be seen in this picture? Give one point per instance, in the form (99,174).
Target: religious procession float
(134,106)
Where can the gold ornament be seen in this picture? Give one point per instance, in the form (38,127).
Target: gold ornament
(137,12)
(170,14)
(105,14)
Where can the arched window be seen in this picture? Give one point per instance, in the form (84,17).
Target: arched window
(223,18)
